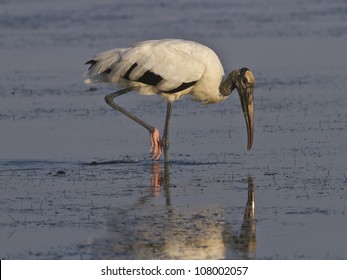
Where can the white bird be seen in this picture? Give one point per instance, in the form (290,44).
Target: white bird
(171,68)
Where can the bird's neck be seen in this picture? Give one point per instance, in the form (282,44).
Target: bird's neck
(228,85)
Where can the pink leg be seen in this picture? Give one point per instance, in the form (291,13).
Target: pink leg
(156,145)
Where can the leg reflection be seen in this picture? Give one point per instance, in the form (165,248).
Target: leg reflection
(160,179)
(156,178)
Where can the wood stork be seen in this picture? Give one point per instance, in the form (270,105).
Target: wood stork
(171,68)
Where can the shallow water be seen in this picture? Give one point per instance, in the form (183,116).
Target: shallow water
(76,178)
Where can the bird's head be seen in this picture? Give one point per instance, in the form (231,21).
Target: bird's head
(243,80)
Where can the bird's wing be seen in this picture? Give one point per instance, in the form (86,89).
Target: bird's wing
(164,65)
(176,62)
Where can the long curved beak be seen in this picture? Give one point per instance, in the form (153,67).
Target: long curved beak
(247,98)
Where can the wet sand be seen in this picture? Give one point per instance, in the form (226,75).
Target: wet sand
(76,178)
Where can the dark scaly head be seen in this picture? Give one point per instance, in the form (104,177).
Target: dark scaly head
(243,80)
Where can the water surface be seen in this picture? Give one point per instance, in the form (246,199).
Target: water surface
(76,178)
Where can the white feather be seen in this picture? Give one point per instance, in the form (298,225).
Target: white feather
(176,61)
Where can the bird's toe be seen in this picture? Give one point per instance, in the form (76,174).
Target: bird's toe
(156,145)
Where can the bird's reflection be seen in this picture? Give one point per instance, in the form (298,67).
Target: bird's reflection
(146,232)
(246,241)
(156,179)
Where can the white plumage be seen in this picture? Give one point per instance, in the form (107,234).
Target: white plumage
(176,61)
(171,68)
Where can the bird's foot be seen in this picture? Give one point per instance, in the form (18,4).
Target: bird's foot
(156,145)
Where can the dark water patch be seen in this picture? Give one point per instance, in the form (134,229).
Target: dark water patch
(173,163)
(28,165)
(309,211)
(115,162)
(191,162)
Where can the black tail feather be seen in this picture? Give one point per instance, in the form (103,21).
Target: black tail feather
(91,62)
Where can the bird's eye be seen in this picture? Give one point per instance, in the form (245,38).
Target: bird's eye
(244,80)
